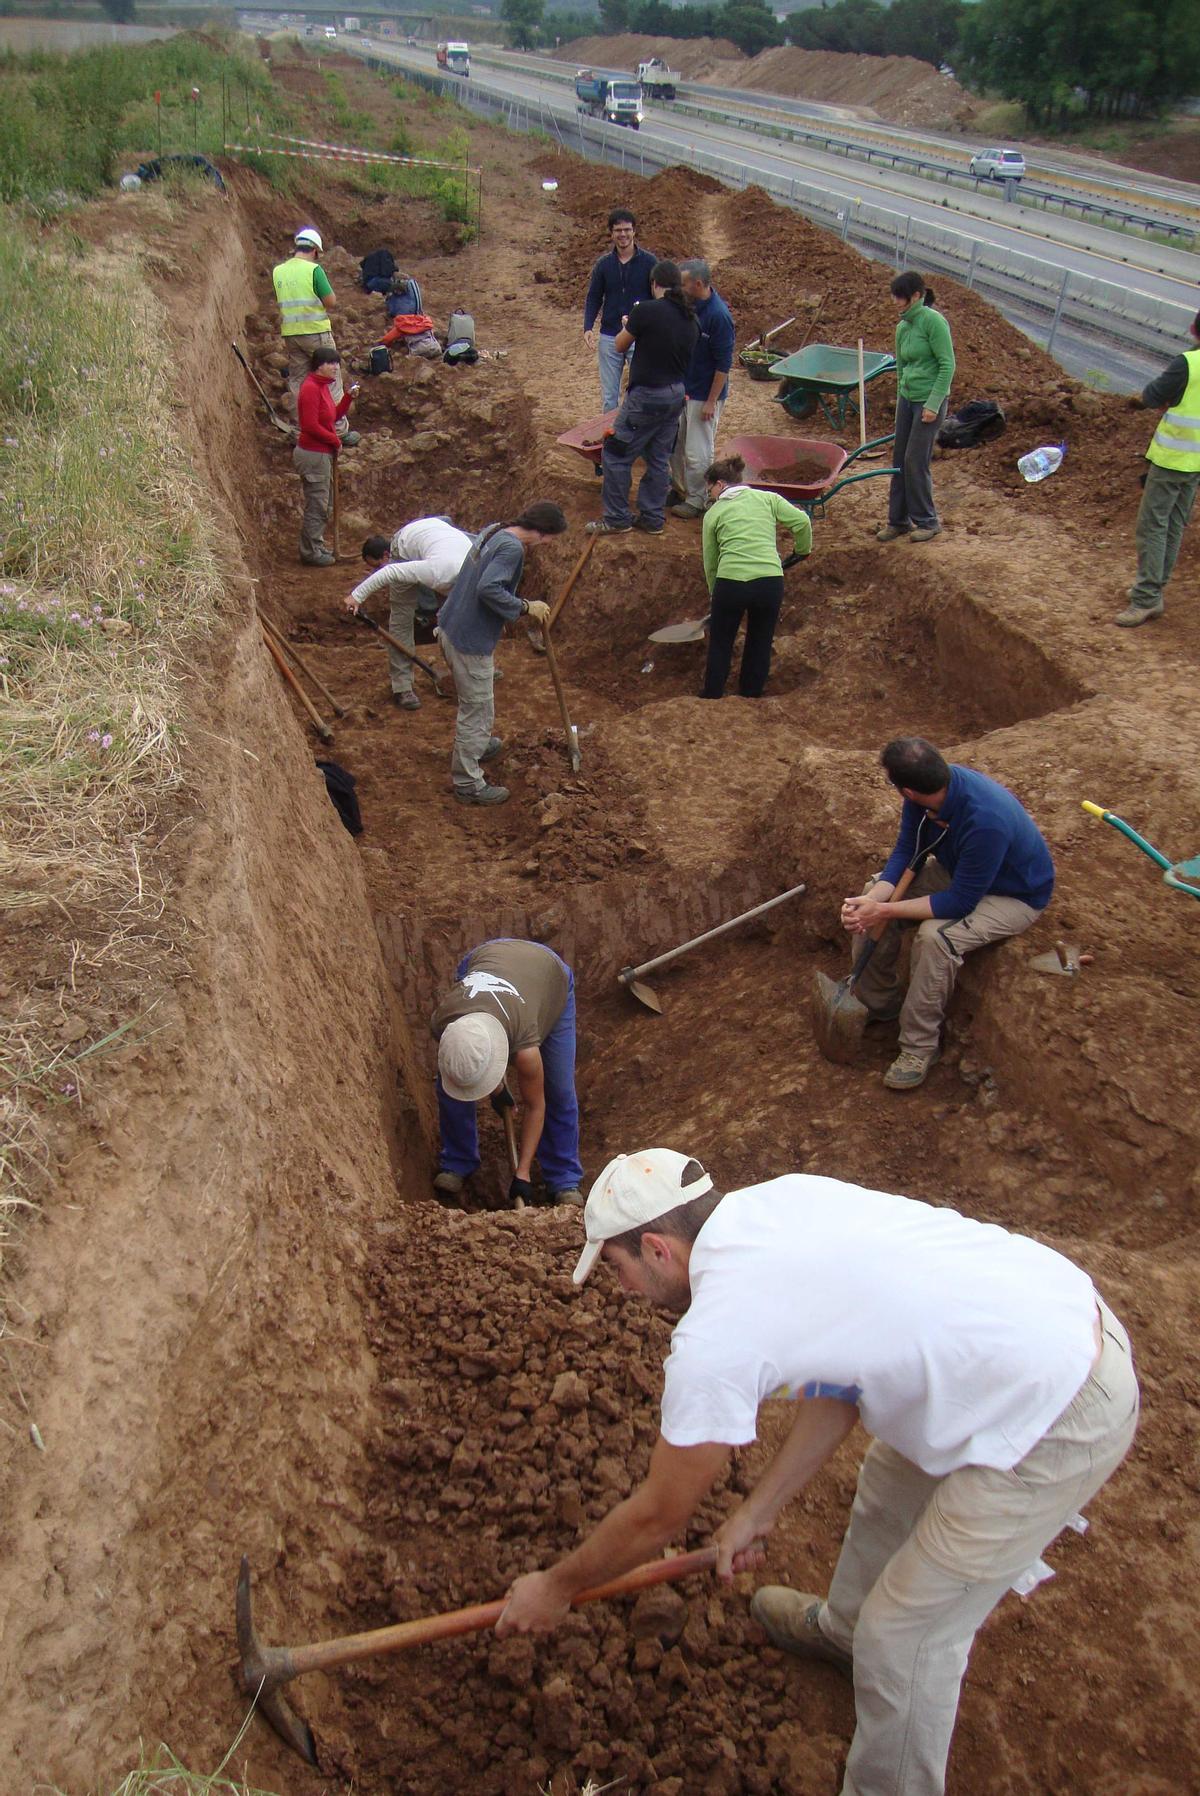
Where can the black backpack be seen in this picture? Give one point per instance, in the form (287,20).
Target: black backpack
(340,786)
(379,267)
(979,421)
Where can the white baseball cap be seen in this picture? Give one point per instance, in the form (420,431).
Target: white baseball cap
(472,1056)
(632,1190)
(308,239)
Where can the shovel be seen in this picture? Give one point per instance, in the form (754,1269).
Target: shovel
(1180,874)
(504,1102)
(264,1670)
(279,423)
(694,632)
(535,635)
(379,630)
(838,1018)
(570,733)
(630,977)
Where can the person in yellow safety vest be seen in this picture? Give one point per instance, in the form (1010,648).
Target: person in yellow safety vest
(305,301)
(1171,480)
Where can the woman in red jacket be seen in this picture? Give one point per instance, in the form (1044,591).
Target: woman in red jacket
(315,449)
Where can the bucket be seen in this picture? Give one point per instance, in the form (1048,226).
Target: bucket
(380,360)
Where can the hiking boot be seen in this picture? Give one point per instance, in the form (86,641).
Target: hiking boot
(572,1195)
(1133,615)
(890,532)
(322,558)
(686,510)
(350,439)
(925,534)
(448,1185)
(406,701)
(641,522)
(492,750)
(484,795)
(602,527)
(888,1014)
(789,1619)
(908,1070)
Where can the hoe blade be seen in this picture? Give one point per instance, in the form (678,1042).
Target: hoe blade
(838,1019)
(260,1677)
(645,995)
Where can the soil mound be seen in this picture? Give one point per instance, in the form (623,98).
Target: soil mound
(900,89)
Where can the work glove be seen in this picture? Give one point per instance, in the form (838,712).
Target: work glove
(792,561)
(539,611)
(520,1188)
(501,1100)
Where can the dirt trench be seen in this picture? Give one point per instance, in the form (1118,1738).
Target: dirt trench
(394,1408)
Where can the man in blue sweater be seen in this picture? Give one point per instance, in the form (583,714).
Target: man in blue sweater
(990,876)
(707,387)
(620,280)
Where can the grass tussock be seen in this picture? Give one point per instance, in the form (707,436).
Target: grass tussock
(161,1774)
(106,571)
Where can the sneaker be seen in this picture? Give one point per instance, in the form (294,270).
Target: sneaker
(484,795)
(323,558)
(686,510)
(790,1620)
(406,701)
(642,522)
(890,532)
(572,1195)
(602,527)
(350,439)
(925,534)
(449,1184)
(908,1070)
(492,750)
(1133,615)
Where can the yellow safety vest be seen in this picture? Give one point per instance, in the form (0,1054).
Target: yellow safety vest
(304,315)
(1176,442)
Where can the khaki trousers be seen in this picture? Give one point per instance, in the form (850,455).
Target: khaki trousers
(692,455)
(315,469)
(473,676)
(1167,501)
(401,621)
(925,1561)
(299,355)
(937,955)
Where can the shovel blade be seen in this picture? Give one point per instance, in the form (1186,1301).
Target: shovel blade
(694,632)
(838,1019)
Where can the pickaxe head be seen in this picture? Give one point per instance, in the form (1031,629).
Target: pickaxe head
(263,1671)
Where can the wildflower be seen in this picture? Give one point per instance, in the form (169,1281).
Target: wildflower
(93,735)
(67,1090)
(10,443)
(106,740)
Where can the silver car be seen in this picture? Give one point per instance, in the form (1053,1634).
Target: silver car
(998,165)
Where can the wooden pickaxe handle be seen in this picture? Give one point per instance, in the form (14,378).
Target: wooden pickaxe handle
(319,724)
(569,583)
(290,649)
(573,755)
(326,1654)
(627,974)
(392,641)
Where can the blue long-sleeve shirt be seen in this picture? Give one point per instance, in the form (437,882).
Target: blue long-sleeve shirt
(484,596)
(714,348)
(615,288)
(991,844)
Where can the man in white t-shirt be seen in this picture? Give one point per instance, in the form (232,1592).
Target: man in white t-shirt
(417,568)
(998,1386)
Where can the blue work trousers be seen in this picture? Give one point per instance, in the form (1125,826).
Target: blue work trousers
(558,1150)
(646,425)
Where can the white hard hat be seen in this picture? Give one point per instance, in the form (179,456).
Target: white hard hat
(309,239)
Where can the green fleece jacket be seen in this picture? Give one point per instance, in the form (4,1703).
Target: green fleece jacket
(739,534)
(924,356)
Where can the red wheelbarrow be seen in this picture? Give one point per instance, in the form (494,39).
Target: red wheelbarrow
(587,439)
(805,470)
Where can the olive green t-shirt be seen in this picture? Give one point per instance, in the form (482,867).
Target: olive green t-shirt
(521,983)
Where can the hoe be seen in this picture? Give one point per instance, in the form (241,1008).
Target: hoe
(263,1671)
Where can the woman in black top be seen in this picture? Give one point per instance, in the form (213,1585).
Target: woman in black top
(663,333)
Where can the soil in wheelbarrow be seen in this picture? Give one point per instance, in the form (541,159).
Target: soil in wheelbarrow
(804,471)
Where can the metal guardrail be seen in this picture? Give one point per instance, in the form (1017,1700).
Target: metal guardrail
(1042,297)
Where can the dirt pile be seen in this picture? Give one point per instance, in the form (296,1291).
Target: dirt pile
(899,89)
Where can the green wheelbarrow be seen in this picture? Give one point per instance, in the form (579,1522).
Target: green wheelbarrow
(1184,876)
(823,375)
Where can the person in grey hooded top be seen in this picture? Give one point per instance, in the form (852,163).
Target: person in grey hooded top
(482,600)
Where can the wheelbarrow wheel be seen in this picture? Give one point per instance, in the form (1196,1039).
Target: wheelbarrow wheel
(799,405)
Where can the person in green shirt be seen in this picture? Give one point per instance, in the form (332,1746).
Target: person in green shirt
(744,573)
(305,299)
(924,370)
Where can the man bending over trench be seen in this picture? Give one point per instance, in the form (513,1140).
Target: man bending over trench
(514,1001)
(997,1384)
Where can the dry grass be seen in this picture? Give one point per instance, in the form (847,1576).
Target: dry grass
(106,570)
(161,1774)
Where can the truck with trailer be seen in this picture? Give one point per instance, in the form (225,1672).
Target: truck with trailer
(658,82)
(454,58)
(615,98)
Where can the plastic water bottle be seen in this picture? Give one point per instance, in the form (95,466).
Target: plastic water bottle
(1040,462)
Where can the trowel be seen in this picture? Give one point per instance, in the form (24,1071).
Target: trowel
(1064,959)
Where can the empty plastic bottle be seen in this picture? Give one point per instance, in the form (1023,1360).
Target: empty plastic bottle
(1040,462)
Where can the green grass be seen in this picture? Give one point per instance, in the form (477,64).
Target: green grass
(160,1773)
(106,571)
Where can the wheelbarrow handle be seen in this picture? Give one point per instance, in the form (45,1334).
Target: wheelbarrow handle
(822,498)
(875,443)
(1119,824)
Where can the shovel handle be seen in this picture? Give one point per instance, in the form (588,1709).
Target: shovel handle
(364,617)
(318,722)
(573,755)
(294,654)
(628,974)
(572,577)
(325,1655)
(898,890)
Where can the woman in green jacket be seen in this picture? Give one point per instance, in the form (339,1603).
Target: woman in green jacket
(924,370)
(744,573)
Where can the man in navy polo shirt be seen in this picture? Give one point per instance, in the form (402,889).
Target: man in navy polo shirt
(706,386)
(620,280)
(990,876)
